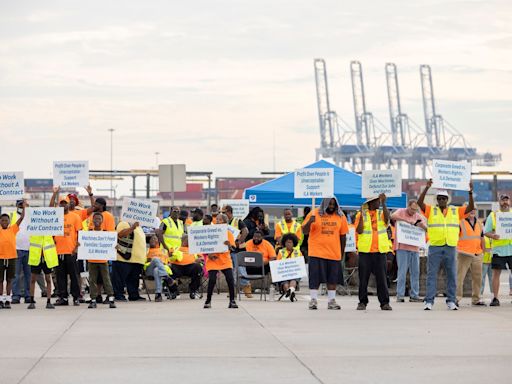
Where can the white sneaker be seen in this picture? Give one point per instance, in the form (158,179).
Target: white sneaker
(428,307)
(452,306)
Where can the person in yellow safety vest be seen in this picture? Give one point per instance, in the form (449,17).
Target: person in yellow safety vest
(287,225)
(501,248)
(171,231)
(290,250)
(443,232)
(486,264)
(373,245)
(469,256)
(42,258)
(197,217)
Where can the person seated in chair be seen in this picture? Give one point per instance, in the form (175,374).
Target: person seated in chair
(157,265)
(290,250)
(184,264)
(257,244)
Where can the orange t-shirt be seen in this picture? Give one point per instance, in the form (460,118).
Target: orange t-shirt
(8,242)
(265,248)
(279,233)
(460,210)
(375,234)
(109,223)
(66,244)
(159,253)
(324,235)
(187,257)
(222,260)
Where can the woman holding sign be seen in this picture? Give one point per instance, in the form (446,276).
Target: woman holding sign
(290,250)
(221,262)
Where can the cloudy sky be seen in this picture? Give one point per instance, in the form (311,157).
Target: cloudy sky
(210,83)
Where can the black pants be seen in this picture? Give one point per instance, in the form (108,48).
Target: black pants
(212,279)
(126,275)
(194,271)
(67,266)
(373,263)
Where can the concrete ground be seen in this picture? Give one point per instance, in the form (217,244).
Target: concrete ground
(269,342)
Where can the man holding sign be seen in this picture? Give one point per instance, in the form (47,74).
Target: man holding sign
(443,232)
(501,246)
(407,255)
(327,228)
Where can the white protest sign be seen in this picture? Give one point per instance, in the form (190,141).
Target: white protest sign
(504,225)
(207,238)
(234,231)
(141,211)
(97,245)
(11,185)
(350,245)
(287,269)
(409,234)
(72,174)
(313,183)
(451,174)
(375,182)
(45,221)
(240,207)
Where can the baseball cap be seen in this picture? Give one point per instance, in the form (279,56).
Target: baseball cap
(504,196)
(442,192)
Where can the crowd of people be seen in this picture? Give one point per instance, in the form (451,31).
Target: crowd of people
(457,241)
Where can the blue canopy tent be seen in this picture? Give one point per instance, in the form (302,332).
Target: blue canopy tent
(347,189)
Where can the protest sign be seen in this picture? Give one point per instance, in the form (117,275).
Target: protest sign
(313,183)
(409,234)
(350,245)
(287,269)
(207,238)
(97,245)
(451,174)
(71,174)
(234,231)
(141,211)
(504,225)
(240,207)
(375,182)
(11,185)
(45,221)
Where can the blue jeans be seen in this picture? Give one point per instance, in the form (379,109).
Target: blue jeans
(446,256)
(157,270)
(242,271)
(408,260)
(486,271)
(21,266)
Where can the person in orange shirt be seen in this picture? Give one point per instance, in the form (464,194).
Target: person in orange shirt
(185,264)
(327,228)
(8,256)
(158,266)
(256,244)
(221,262)
(290,242)
(66,245)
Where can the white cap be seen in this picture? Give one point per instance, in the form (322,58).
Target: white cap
(442,192)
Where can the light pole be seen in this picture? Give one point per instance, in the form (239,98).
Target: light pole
(111,130)
(156,159)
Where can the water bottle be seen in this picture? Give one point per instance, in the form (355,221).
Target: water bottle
(272,292)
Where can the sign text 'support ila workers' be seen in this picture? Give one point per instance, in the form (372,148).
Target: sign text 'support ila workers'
(71,174)
(314,182)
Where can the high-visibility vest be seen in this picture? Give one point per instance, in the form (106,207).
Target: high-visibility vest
(488,255)
(500,242)
(42,246)
(443,230)
(283,253)
(293,229)
(364,240)
(470,240)
(196,223)
(234,222)
(173,233)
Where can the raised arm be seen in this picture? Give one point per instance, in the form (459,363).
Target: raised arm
(307,225)
(91,199)
(128,231)
(421,199)
(22,215)
(385,210)
(360,223)
(471,204)
(53,199)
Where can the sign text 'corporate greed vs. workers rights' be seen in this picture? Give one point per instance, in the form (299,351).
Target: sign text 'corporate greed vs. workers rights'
(287,269)
(208,238)
(71,174)
(504,225)
(97,245)
(11,185)
(451,174)
(409,234)
(141,211)
(375,182)
(45,221)
(313,183)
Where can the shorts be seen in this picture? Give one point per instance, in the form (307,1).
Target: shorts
(501,262)
(7,267)
(42,267)
(323,271)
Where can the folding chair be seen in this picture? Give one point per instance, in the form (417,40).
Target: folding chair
(254,260)
(348,274)
(165,289)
